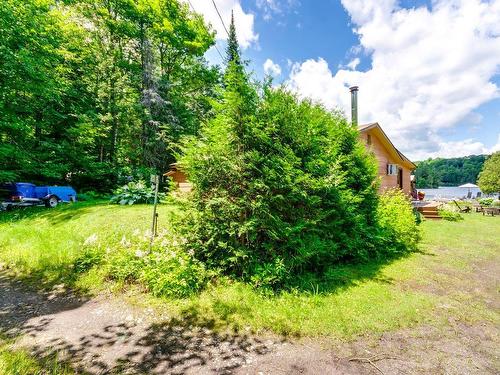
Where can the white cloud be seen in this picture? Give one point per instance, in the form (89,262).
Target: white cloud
(270,8)
(272,68)
(430,69)
(354,63)
(244,21)
(458,148)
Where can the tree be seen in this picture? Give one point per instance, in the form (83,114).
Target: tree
(233,49)
(91,90)
(489,178)
(433,173)
(281,186)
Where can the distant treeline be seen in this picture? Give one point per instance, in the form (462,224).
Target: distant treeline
(433,173)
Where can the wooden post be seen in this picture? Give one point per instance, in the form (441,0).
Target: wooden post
(156,181)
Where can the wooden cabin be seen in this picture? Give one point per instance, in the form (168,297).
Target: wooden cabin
(179,178)
(394,168)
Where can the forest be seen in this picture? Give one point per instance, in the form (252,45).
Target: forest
(433,173)
(95,91)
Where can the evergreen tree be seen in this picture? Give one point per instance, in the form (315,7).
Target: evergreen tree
(233,49)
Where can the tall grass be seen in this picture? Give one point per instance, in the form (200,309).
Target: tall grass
(43,245)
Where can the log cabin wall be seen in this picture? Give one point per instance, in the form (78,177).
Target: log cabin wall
(383,157)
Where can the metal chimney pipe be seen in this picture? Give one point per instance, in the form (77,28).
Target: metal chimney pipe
(354,105)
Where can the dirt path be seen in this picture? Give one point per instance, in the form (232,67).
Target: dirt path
(105,335)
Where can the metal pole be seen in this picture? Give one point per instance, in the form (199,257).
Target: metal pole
(156,181)
(354,105)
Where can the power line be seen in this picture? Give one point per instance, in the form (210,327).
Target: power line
(220,17)
(215,45)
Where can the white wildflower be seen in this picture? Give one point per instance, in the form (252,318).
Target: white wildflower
(125,242)
(91,240)
(140,254)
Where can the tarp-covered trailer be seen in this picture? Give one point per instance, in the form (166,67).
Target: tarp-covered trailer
(26,194)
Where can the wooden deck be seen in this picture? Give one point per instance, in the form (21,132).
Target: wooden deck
(428,209)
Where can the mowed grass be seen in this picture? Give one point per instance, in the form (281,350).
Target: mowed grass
(20,362)
(453,275)
(40,245)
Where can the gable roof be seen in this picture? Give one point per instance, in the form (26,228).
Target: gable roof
(398,155)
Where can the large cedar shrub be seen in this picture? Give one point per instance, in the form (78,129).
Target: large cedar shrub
(281,186)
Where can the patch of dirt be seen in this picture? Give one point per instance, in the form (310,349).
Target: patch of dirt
(105,335)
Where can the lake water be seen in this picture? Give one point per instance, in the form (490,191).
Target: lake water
(450,192)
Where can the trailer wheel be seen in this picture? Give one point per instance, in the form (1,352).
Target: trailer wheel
(51,202)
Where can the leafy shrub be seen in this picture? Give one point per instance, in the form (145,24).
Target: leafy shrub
(92,196)
(418,215)
(281,187)
(486,201)
(135,192)
(450,215)
(172,274)
(167,270)
(399,230)
(124,265)
(88,259)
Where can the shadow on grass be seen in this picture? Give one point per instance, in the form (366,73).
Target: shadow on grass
(61,213)
(346,275)
(71,331)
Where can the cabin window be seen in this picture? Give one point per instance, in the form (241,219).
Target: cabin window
(369,139)
(392,169)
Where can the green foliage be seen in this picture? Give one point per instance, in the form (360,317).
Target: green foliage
(281,186)
(134,193)
(167,270)
(173,274)
(233,49)
(18,361)
(351,300)
(92,89)
(486,201)
(397,222)
(449,214)
(91,195)
(89,258)
(489,179)
(433,173)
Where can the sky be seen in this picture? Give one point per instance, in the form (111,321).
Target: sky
(428,71)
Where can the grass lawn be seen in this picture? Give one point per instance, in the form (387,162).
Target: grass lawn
(20,362)
(446,278)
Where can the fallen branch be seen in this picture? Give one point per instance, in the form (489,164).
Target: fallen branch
(371,360)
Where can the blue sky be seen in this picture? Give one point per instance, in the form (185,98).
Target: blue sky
(428,71)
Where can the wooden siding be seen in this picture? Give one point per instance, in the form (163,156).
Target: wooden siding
(384,157)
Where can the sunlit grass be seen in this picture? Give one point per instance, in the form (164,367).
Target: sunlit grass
(441,280)
(40,245)
(16,361)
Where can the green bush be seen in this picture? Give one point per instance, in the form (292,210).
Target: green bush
(486,202)
(88,259)
(173,274)
(135,192)
(450,215)
(91,196)
(166,270)
(281,187)
(398,224)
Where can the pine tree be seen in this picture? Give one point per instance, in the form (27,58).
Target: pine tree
(233,49)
